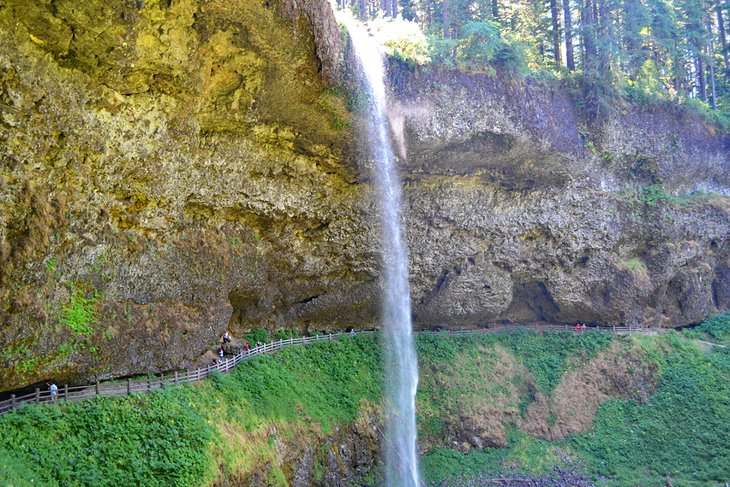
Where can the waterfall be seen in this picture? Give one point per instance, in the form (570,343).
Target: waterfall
(401,364)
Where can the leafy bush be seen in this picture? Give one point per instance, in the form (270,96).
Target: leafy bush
(479,45)
(257,335)
(718,328)
(402,39)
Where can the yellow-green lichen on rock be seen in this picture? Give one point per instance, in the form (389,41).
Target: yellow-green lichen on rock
(192,145)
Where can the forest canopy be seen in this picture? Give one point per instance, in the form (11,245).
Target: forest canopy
(643,50)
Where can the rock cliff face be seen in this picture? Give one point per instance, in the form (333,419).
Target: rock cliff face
(170,168)
(521,210)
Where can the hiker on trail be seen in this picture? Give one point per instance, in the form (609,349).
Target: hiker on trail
(226,337)
(352,332)
(246,345)
(221,353)
(54,390)
(583,327)
(577,327)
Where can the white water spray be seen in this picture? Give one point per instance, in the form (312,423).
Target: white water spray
(401,364)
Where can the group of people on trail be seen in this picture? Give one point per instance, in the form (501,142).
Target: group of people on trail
(580,327)
(226,338)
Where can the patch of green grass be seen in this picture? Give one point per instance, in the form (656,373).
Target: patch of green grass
(444,463)
(635,264)
(653,194)
(525,455)
(682,431)
(148,439)
(171,436)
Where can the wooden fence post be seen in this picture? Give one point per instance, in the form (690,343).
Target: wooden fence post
(12,401)
(37,395)
(149,383)
(129,386)
(175,380)
(65,392)
(96,386)
(162,381)
(614,328)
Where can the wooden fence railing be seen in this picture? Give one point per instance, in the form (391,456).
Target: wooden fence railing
(67,393)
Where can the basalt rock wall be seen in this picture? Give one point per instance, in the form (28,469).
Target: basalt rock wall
(173,168)
(520,208)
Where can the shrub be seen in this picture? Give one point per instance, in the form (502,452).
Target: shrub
(402,39)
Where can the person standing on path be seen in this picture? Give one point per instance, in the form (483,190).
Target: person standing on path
(54,391)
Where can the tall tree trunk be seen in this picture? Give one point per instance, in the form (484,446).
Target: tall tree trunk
(555,14)
(569,57)
(700,65)
(394,8)
(588,32)
(723,39)
(362,7)
(711,62)
(386,8)
(605,39)
(495,10)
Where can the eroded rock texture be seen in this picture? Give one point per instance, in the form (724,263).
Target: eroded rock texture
(173,168)
(521,210)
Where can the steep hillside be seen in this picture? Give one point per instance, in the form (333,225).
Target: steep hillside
(626,410)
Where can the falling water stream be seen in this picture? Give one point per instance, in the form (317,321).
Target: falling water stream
(401,365)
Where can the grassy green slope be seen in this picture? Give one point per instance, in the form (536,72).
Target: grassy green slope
(227,428)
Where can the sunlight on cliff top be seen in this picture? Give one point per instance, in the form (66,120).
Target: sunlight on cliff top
(397,37)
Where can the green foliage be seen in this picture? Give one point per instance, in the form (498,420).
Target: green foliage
(544,354)
(441,464)
(479,45)
(287,333)
(323,381)
(653,194)
(169,436)
(481,48)
(79,314)
(402,39)
(149,439)
(721,118)
(682,431)
(257,335)
(718,327)
(525,454)
(635,264)
(173,436)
